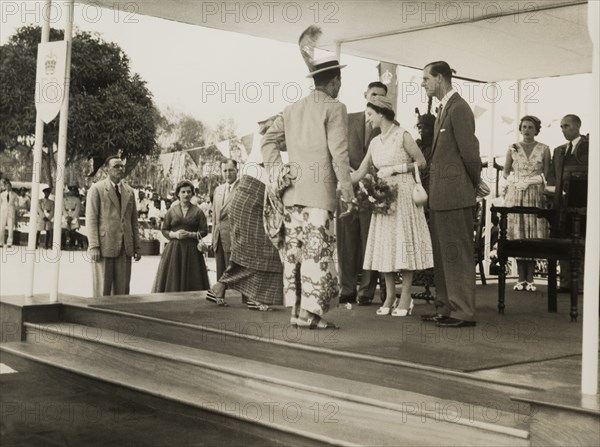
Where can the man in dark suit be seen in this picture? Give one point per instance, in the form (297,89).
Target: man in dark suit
(574,153)
(453,178)
(352,233)
(112,230)
(221,233)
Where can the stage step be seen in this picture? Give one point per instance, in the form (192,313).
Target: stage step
(317,406)
(493,397)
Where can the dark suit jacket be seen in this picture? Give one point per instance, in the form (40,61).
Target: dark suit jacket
(357,145)
(455,162)
(109,225)
(580,158)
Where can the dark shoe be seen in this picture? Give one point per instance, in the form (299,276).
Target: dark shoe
(435,317)
(347,299)
(364,300)
(455,322)
(425,295)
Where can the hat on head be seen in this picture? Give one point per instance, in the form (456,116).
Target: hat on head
(48,189)
(324,64)
(308,42)
(382,102)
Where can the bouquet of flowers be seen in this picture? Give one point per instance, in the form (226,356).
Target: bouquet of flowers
(375,194)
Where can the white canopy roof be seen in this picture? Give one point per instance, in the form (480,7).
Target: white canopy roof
(486,40)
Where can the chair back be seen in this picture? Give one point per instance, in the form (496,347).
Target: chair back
(571,204)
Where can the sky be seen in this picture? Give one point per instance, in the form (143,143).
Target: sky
(212,74)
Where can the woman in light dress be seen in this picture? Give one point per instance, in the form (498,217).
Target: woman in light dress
(525,163)
(400,240)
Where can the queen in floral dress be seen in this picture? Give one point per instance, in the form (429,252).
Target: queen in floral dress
(399,240)
(525,163)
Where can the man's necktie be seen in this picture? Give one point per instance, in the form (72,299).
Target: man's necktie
(569,151)
(118,193)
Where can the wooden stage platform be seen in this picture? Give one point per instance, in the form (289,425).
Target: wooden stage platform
(512,380)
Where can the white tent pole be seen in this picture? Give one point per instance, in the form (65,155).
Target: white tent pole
(519,106)
(36,173)
(62,154)
(589,348)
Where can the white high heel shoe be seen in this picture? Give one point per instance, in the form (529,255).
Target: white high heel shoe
(383,310)
(403,312)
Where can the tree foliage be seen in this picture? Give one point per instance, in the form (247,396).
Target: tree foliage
(110,108)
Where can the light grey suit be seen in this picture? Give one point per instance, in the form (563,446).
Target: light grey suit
(221,237)
(113,228)
(315,131)
(454,175)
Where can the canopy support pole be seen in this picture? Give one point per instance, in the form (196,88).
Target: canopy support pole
(36,172)
(62,156)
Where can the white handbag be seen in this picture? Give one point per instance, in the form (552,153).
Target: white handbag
(419,195)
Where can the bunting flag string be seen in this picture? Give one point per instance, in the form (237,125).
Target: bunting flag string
(223,147)
(166,160)
(479,111)
(247,141)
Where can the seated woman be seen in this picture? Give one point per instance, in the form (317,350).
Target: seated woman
(182,267)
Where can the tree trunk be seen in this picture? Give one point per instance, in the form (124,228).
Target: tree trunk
(48,168)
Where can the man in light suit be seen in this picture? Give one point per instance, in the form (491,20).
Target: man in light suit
(315,132)
(453,179)
(8,213)
(112,230)
(221,239)
(574,153)
(352,233)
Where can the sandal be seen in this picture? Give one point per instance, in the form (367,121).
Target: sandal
(530,287)
(314,323)
(220,301)
(520,286)
(255,305)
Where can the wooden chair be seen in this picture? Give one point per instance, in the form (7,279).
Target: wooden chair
(479,238)
(566,218)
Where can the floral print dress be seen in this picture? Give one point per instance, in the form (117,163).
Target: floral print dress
(526,189)
(399,240)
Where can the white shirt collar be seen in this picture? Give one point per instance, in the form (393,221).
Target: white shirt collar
(575,142)
(446,98)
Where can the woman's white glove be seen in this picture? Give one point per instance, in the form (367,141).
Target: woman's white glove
(386,171)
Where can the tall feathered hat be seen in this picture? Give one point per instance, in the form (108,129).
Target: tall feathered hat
(308,42)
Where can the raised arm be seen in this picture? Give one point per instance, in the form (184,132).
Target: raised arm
(362,170)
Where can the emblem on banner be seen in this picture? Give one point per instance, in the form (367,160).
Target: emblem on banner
(50,79)
(387,77)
